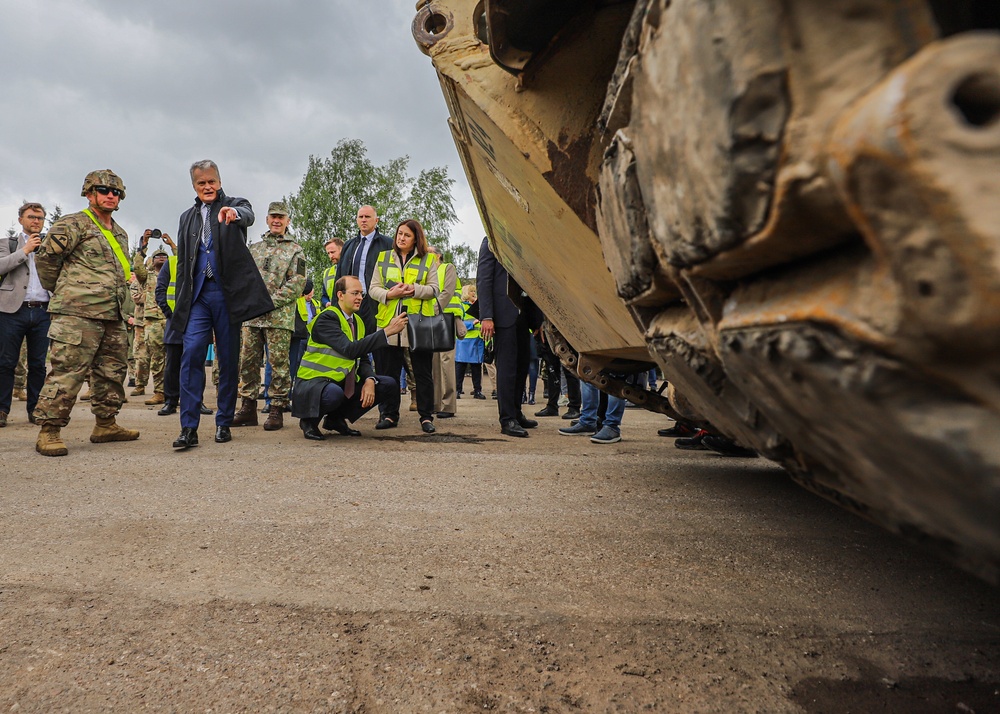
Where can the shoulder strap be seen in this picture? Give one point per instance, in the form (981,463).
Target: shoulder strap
(113,242)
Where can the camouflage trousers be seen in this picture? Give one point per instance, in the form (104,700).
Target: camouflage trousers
(252,357)
(140,356)
(78,346)
(21,371)
(152,338)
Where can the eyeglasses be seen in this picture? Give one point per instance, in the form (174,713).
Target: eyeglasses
(355,293)
(105,190)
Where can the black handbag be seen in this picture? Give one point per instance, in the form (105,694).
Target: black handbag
(431,333)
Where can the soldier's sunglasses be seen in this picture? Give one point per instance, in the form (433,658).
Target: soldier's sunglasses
(105,190)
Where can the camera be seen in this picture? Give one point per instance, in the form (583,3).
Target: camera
(155,235)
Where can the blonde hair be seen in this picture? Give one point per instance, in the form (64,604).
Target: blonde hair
(469,293)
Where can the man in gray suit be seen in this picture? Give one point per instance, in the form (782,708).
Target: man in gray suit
(23,309)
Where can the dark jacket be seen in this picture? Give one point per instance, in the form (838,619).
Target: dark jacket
(327,331)
(246,294)
(170,335)
(378,243)
(491,286)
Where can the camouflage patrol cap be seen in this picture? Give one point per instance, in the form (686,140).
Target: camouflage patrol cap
(158,252)
(277,208)
(105,177)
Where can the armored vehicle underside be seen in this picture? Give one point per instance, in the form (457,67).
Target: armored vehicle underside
(793,208)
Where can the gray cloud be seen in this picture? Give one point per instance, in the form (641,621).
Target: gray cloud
(147,88)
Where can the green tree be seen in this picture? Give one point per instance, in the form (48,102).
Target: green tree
(333,188)
(55,214)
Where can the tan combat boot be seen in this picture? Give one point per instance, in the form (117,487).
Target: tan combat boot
(137,392)
(157,398)
(107,430)
(50,443)
(20,395)
(247,415)
(275,419)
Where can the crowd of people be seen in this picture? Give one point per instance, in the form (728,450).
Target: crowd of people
(74,299)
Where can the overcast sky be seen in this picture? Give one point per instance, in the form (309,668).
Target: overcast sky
(146,88)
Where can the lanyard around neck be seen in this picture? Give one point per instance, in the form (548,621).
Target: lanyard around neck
(113,242)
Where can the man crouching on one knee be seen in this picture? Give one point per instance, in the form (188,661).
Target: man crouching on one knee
(336,380)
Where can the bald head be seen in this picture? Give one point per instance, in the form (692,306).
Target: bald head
(367,220)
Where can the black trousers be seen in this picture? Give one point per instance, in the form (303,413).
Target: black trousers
(513,352)
(334,403)
(477,375)
(389,363)
(172,373)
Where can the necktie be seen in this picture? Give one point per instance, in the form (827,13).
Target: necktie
(357,260)
(206,239)
(352,376)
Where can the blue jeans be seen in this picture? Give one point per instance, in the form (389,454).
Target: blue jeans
(31,324)
(590,396)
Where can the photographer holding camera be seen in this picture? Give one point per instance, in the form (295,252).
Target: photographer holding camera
(154,234)
(23,309)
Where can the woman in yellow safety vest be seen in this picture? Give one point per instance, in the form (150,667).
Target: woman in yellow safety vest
(469,351)
(405,280)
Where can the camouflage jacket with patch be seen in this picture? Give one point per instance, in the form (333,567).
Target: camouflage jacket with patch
(78,266)
(282,265)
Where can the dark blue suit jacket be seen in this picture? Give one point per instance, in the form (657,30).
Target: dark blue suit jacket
(246,294)
(491,286)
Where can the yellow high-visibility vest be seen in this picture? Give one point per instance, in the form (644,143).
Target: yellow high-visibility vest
(322,360)
(415,272)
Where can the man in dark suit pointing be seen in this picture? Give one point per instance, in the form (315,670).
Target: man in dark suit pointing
(218,288)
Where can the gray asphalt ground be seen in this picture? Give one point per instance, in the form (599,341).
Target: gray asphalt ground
(463,571)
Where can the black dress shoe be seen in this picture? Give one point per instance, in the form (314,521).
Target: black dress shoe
(205,410)
(727,447)
(571,414)
(167,409)
(510,427)
(478,395)
(339,425)
(222,435)
(445,415)
(310,431)
(547,412)
(525,422)
(427,427)
(188,438)
(386,424)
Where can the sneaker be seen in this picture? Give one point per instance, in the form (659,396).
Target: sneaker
(692,443)
(563,401)
(607,435)
(578,428)
(678,430)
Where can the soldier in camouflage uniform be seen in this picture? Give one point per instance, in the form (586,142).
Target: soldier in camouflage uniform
(153,317)
(282,264)
(140,358)
(83,262)
(21,374)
